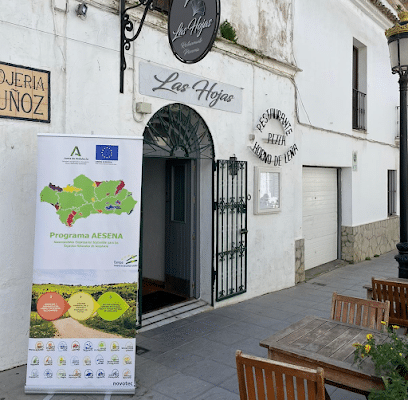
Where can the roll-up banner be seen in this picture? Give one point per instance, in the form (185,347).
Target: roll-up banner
(86,253)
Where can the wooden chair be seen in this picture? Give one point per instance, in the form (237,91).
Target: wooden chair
(396,292)
(263,379)
(361,312)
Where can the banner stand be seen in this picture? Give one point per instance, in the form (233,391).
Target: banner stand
(85,292)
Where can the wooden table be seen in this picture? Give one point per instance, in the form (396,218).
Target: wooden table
(319,342)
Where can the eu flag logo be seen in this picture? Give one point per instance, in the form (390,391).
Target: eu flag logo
(105,152)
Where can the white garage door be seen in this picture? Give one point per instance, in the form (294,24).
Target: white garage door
(319,215)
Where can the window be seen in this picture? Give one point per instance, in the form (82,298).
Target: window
(359,85)
(392,192)
(267,190)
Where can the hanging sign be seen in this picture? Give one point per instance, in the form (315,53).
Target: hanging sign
(85,279)
(274,137)
(192,28)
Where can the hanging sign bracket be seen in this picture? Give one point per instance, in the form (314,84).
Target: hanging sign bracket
(127,25)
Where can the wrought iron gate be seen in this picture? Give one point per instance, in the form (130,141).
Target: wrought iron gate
(230,207)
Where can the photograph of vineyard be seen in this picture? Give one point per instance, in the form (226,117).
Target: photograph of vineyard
(124,326)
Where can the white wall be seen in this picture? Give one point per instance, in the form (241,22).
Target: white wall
(323,44)
(83,58)
(85,97)
(264,25)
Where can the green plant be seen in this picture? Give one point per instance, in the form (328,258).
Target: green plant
(390,362)
(228,31)
(39,328)
(368,258)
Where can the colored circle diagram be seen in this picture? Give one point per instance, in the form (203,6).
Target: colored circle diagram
(82,306)
(51,306)
(112,306)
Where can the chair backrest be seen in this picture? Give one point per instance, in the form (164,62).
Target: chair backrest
(397,294)
(361,312)
(263,379)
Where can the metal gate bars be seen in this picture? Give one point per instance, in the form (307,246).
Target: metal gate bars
(230,207)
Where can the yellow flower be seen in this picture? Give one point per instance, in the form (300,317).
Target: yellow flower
(395,327)
(356,344)
(369,336)
(400,354)
(367,348)
(383,322)
(362,355)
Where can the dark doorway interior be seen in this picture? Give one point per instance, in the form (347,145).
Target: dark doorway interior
(155,296)
(166,211)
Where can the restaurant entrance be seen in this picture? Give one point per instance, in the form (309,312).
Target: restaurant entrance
(175,141)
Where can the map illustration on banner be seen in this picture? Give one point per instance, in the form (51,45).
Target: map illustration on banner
(84,302)
(85,197)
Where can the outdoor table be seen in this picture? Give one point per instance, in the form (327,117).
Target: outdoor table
(318,342)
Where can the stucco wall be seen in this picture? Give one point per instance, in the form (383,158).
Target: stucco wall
(325,101)
(83,59)
(263,25)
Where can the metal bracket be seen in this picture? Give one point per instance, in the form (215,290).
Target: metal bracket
(127,25)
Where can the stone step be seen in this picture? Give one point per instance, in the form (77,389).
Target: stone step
(173,313)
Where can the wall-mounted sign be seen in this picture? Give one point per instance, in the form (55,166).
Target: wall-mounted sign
(274,138)
(192,28)
(185,88)
(24,93)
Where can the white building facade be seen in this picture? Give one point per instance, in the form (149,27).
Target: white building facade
(257,170)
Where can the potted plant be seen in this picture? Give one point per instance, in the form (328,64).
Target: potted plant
(390,362)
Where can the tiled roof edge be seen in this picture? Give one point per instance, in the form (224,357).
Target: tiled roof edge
(385,10)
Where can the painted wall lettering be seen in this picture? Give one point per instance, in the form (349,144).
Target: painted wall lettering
(274,139)
(273,113)
(24,93)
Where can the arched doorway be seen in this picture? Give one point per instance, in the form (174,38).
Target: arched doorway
(178,153)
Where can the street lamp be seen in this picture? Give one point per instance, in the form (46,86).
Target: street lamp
(398,45)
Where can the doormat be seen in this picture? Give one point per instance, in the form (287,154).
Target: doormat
(159,299)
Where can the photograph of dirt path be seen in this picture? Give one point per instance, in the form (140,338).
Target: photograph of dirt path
(69,328)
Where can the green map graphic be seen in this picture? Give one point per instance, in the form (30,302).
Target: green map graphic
(86,197)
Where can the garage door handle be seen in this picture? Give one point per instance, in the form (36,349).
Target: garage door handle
(243,231)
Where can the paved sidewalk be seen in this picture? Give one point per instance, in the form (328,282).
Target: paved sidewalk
(194,358)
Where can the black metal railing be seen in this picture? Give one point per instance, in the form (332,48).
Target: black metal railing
(359,110)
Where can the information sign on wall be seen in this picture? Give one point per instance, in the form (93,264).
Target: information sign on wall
(192,28)
(24,93)
(186,88)
(85,281)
